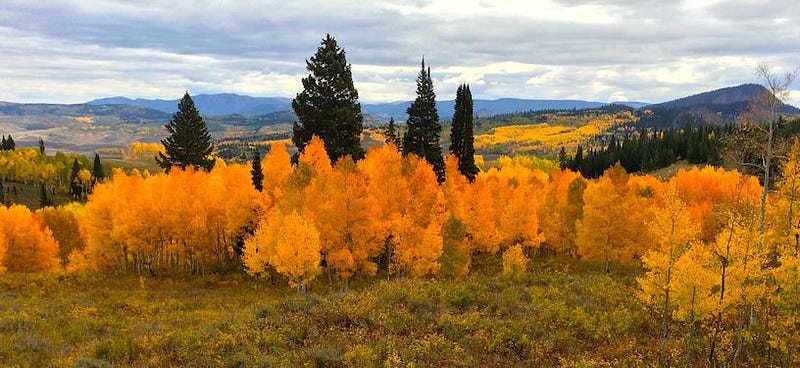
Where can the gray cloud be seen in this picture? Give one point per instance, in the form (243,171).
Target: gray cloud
(73,50)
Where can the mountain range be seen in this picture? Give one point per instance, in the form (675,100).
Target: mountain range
(233,104)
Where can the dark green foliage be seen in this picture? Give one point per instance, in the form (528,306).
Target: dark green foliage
(97,169)
(461,134)
(328,105)
(643,150)
(562,158)
(256,173)
(392,136)
(3,199)
(75,187)
(41,146)
(422,136)
(44,198)
(7,144)
(189,144)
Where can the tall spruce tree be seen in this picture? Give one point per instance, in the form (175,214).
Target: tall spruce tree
(189,144)
(328,105)
(3,144)
(75,187)
(391,133)
(44,199)
(97,169)
(41,146)
(462,141)
(422,136)
(256,173)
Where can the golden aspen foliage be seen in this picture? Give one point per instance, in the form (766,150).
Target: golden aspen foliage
(456,253)
(737,250)
(693,285)
(454,187)
(339,206)
(611,230)
(28,246)
(65,223)
(518,219)
(709,190)
(785,236)
(785,335)
(561,208)
(482,231)
(130,225)
(2,246)
(515,263)
(416,234)
(141,150)
(673,231)
(315,156)
(277,168)
(289,243)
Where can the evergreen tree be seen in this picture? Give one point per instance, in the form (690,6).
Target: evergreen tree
(3,144)
(328,105)
(563,161)
(256,173)
(41,146)
(44,199)
(189,144)
(75,187)
(97,170)
(422,136)
(10,145)
(391,133)
(3,199)
(461,134)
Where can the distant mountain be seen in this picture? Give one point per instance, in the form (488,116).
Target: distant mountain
(123,112)
(716,107)
(230,104)
(209,104)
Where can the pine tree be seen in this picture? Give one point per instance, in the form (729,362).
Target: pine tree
(189,144)
(41,146)
(75,187)
(422,136)
(44,199)
(3,144)
(391,133)
(461,134)
(256,173)
(328,105)
(97,170)
(10,145)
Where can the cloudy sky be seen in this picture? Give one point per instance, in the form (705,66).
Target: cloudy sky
(72,51)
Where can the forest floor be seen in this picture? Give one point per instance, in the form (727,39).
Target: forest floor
(561,313)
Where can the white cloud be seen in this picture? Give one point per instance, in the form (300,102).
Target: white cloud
(646,50)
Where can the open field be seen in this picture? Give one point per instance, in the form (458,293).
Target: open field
(557,315)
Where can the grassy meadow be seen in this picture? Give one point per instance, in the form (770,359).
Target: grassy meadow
(561,314)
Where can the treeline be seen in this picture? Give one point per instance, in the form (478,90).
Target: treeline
(7,144)
(643,150)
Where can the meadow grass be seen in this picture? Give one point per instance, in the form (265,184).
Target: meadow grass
(561,313)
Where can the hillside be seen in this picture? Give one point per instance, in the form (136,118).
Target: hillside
(717,107)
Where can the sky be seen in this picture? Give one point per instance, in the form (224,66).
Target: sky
(72,51)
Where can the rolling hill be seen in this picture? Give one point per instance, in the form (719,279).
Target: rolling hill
(716,107)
